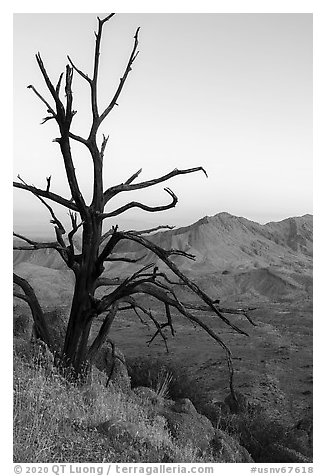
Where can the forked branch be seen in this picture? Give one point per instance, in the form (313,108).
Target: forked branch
(59,228)
(47,194)
(35,245)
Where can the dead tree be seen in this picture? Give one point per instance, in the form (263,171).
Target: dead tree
(97,247)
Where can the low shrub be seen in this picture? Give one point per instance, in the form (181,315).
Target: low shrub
(158,374)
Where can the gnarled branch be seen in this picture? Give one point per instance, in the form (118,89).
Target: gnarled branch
(147,208)
(127,186)
(47,194)
(163,255)
(161,295)
(35,245)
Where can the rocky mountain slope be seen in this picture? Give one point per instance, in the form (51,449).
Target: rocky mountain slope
(234,256)
(225,242)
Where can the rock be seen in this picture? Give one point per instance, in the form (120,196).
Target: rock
(228,449)
(189,428)
(115,428)
(126,437)
(114,366)
(239,405)
(184,405)
(183,421)
(275,453)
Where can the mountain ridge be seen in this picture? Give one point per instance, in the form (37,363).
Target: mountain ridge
(232,253)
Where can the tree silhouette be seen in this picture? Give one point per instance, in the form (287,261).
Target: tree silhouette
(97,247)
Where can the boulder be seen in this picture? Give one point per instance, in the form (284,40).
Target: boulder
(184,405)
(132,443)
(113,364)
(183,421)
(228,449)
(189,428)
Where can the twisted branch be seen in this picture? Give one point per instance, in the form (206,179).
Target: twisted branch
(164,256)
(147,208)
(127,186)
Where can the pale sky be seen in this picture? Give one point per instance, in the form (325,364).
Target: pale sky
(229,92)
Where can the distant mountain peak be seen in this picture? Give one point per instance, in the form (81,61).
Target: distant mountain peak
(225,245)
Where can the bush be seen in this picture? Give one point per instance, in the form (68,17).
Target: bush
(159,375)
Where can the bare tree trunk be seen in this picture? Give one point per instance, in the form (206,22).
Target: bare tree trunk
(82,310)
(80,320)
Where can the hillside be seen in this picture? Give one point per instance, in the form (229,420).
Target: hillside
(234,256)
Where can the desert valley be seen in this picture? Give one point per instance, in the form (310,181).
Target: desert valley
(242,263)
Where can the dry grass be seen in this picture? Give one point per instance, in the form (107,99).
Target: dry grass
(55,421)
